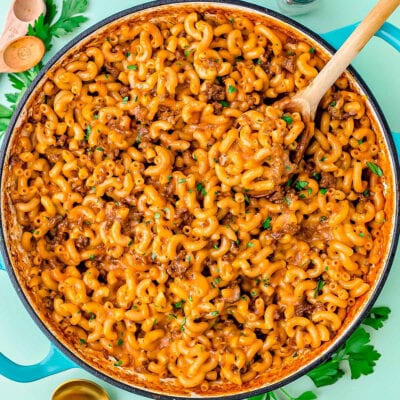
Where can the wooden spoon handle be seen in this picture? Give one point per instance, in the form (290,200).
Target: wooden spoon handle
(349,50)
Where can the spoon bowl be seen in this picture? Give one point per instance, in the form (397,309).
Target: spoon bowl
(28,10)
(22,54)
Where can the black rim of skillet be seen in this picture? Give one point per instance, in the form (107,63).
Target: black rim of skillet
(352,326)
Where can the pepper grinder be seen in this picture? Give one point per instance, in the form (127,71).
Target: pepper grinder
(296,7)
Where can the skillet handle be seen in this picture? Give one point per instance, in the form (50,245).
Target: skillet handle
(53,363)
(388,32)
(396,139)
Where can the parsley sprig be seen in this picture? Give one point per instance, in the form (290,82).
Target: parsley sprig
(357,352)
(45,29)
(70,18)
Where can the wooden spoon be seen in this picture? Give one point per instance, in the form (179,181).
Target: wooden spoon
(306,101)
(17,52)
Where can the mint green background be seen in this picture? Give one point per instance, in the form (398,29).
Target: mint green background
(379,64)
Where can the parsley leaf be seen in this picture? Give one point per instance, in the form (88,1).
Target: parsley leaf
(87,133)
(323,190)
(375,169)
(287,118)
(327,373)
(300,185)
(360,355)
(376,317)
(306,396)
(69,18)
(267,223)
(231,89)
(41,29)
(319,287)
(201,189)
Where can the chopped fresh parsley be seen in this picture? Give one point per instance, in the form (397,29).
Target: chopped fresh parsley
(217,281)
(319,287)
(287,118)
(87,133)
(182,327)
(132,67)
(316,176)
(118,363)
(200,188)
(286,201)
(157,215)
(82,341)
(231,89)
(91,256)
(323,218)
(375,169)
(119,342)
(312,50)
(323,190)
(182,180)
(224,103)
(179,304)
(250,244)
(333,104)
(300,185)
(267,223)
(125,100)
(214,313)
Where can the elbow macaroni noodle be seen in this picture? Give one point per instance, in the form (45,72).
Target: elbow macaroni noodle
(165,222)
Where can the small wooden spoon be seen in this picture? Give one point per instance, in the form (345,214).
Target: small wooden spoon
(17,52)
(306,101)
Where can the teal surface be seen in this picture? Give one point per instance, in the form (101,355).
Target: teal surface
(379,64)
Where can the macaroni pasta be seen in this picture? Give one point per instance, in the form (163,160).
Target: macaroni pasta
(167,227)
